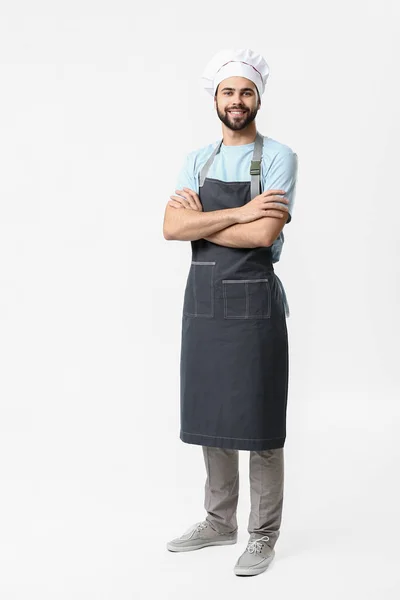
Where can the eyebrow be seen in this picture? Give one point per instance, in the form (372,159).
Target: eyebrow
(247,89)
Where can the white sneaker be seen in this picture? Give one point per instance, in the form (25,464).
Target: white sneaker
(200,535)
(256,558)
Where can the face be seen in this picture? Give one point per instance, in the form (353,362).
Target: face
(239,93)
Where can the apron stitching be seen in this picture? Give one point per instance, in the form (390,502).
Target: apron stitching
(212,289)
(225,301)
(231,438)
(243,280)
(194,291)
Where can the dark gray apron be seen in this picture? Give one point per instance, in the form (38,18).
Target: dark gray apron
(234,347)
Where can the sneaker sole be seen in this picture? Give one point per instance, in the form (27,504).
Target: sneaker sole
(254,570)
(172,548)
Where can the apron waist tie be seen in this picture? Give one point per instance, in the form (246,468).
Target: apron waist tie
(287,311)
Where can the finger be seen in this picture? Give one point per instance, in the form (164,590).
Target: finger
(270,212)
(275,197)
(281,199)
(272,192)
(194,196)
(278,205)
(175,204)
(183,201)
(189,198)
(176,199)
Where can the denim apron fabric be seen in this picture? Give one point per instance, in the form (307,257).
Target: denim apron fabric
(234,344)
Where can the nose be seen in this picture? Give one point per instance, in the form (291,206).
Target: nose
(236,99)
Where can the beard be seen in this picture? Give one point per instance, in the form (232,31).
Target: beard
(237,123)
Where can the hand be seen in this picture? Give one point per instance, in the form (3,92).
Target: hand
(267,204)
(190,200)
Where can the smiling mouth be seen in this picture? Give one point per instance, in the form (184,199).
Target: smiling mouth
(237,113)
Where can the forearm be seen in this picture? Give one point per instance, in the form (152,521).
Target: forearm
(240,235)
(194,225)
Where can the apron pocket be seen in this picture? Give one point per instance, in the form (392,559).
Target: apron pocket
(246,298)
(199,292)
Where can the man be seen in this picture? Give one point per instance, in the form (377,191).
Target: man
(234,198)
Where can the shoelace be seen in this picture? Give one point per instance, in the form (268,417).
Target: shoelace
(257,544)
(198,527)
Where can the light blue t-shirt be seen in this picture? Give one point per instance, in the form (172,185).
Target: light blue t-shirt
(232,163)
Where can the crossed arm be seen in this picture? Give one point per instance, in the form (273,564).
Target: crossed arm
(262,232)
(220,226)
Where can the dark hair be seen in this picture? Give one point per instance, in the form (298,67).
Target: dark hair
(258,95)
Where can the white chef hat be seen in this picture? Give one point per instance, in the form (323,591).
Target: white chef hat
(241,62)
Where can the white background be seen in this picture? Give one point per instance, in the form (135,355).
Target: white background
(100,103)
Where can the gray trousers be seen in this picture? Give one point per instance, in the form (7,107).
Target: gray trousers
(266,474)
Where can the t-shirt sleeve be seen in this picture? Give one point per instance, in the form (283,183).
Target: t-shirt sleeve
(282,175)
(187,177)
